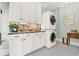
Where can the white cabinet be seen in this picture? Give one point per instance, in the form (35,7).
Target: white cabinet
(38,41)
(27,43)
(31,12)
(27,12)
(42,40)
(14,10)
(16,45)
(22,44)
(35,41)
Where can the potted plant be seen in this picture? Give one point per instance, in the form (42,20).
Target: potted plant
(13,27)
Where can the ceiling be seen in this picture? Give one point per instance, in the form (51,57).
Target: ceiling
(53,5)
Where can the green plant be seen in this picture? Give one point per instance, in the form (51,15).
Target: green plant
(13,27)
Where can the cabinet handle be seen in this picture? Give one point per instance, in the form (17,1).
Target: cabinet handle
(36,34)
(39,36)
(28,34)
(54,30)
(16,36)
(20,18)
(24,39)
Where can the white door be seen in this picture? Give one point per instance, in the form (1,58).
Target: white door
(36,41)
(35,12)
(42,39)
(27,43)
(25,11)
(38,13)
(16,45)
(31,12)
(14,10)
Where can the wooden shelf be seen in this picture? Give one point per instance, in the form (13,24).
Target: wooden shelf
(73,35)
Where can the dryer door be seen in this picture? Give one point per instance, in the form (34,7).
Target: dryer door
(52,37)
(52,20)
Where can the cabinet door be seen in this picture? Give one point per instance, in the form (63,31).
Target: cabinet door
(36,41)
(31,12)
(25,11)
(35,12)
(16,45)
(42,39)
(14,10)
(5,47)
(27,43)
(38,13)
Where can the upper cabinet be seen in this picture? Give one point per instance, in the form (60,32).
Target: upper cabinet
(25,11)
(29,12)
(14,10)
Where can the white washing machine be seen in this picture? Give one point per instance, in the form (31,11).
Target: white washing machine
(50,38)
(49,21)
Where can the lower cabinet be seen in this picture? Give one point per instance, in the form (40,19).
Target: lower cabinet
(37,41)
(27,44)
(22,44)
(15,45)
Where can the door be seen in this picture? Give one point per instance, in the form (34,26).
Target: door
(27,43)
(52,20)
(16,45)
(52,37)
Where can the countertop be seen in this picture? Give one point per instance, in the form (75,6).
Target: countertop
(12,33)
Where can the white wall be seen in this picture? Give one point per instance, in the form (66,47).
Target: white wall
(5,18)
(0,16)
(4,27)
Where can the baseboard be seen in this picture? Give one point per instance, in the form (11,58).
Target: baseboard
(71,42)
(4,52)
(74,43)
(59,39)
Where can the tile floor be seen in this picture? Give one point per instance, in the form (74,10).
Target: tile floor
(58,50)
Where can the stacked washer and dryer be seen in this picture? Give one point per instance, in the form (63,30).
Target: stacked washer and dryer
(49,25)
